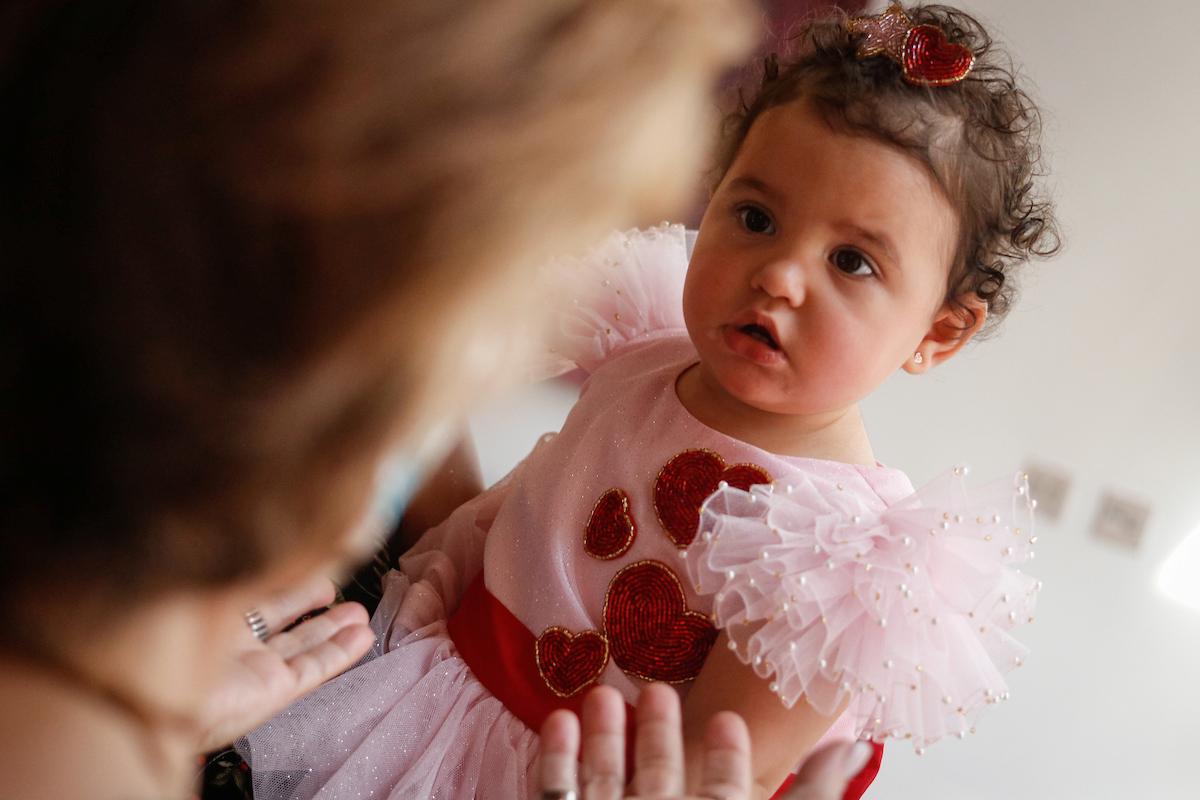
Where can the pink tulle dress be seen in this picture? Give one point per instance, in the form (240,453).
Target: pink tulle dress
(624,542)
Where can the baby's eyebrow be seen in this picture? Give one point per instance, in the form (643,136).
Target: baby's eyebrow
(879,239)
(755,184)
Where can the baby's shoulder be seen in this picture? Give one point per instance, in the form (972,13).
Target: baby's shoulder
(838,484)
(627,288)
(656,355)
(839,598)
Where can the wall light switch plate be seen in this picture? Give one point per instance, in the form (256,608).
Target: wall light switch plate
(1049,486)
(1120,519)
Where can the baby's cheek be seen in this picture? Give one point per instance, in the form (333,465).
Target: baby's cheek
(836,339)
(848,357)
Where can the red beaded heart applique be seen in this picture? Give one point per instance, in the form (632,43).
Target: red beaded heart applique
(611,528)
(930,59)
(687,480)
(926,57)
(569,662)
(652,633)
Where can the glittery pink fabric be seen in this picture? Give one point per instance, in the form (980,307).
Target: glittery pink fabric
(627,425)
(412,721)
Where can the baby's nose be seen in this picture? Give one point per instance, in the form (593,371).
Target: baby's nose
(781,279)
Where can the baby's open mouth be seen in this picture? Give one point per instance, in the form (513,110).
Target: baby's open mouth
(761,334)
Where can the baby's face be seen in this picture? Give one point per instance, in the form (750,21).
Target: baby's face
(821,262)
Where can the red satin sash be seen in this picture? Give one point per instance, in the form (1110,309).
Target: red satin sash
(500,651)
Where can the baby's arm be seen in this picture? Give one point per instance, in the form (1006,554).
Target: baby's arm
(779,737)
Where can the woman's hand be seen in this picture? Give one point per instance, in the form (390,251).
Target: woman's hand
(659,761)
(778,735)
(263,678)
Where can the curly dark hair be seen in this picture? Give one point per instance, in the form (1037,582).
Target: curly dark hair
(980,137)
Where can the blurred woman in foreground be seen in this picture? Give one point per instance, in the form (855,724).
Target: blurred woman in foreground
(252,253)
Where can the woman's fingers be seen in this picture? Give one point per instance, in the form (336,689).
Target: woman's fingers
(313,632)
(727,772)
(559,752)
(658,754)
(324,646)
(602,772)
(659,765)
(283,608)
(826,772)
(325,659)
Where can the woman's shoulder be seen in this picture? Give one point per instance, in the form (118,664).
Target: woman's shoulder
(96,752)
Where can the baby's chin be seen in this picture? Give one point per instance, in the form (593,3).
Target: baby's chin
(762,394)
(770,396)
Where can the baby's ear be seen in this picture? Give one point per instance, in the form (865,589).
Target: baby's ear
(955,324)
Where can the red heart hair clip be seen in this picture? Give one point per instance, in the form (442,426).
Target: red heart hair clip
(926,57)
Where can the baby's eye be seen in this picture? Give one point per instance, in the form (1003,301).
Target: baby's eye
(755,220)
(852,262)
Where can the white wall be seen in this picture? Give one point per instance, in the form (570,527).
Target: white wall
(1095,371)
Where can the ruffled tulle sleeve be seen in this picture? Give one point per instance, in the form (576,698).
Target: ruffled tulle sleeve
(628,288)
(906,613)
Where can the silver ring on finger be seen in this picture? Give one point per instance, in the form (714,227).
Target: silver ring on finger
(258,625)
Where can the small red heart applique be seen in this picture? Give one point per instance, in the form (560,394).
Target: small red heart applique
(611,528)
(570,662)
(652,633)
(930,59)
(687,480)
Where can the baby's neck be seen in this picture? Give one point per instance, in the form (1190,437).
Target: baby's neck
(837,435)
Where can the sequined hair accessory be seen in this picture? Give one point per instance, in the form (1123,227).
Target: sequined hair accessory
(926,57)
